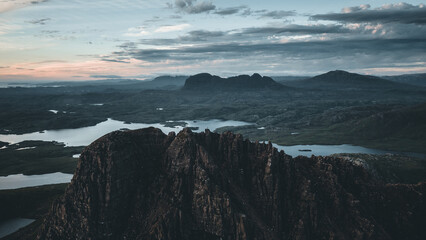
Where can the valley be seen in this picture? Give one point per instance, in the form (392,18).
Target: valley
(315,111)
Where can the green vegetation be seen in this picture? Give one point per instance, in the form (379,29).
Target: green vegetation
(390,118)
(46,157)
(32,203)
(391,168)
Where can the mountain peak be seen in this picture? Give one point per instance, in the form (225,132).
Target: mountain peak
(339,79)
(256,76)
(143,184)
(341,73)
(206,81)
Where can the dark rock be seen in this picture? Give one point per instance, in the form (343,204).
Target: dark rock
(2,144)
(208,82)
(144,184)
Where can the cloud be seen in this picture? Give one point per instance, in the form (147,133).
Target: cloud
(229,11)
(243,35)
(105,76)
(9,5)
(128,45)
(172,28)
(391,13)
(114,60)
(381,50)
(356,8)
(192,6)
(297,29)
(41,21)
(195,7)
(277,14)
(136,32)
(201,35)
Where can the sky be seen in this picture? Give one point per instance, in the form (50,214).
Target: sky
(51,40)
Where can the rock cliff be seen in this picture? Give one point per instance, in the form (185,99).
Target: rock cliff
(144,184)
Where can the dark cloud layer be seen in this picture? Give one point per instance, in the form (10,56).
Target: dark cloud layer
(241,35)
(277,14)
(399,13)
(106,76)
(392,36)
(395,48)
(297,29)
(41,21)
(201,35)
(38,1)
(196,7)
(114,60)
(192,6)
(230,10)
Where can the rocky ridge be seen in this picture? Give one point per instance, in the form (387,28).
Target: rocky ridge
(143,184)
(208,82)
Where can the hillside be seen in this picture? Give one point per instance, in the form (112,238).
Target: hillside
(344,80)
(172,81)
(412,79)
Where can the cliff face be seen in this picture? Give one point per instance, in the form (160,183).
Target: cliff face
(144,184)
(207,82)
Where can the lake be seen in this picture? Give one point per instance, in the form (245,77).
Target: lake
(325,150)
(86,135)
(20,181)
(13,225)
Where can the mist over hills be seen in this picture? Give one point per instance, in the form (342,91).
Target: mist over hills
(413,79)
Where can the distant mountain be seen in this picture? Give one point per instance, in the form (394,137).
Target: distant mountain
(161,82)
(412,79)
(345,80)
(285,79)
(104,82)
(208,82)
(171,81)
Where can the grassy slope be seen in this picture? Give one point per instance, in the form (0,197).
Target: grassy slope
(392,168)
(47,157)
(32,203)
(399,128)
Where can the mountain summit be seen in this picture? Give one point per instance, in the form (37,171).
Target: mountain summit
(339,79)
(143,184)
(208,82)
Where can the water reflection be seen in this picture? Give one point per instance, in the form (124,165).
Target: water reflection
(85,135)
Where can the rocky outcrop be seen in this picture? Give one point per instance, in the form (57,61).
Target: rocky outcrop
(207,82)
(144,184)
